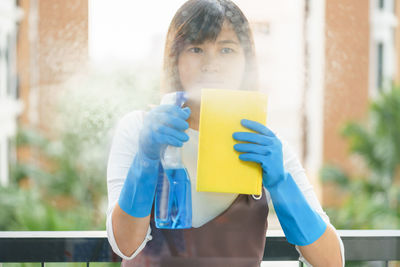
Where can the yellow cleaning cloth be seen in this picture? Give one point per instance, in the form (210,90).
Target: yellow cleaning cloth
(219,168)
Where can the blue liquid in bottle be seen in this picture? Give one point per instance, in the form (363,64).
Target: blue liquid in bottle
(173,203)
(173,200)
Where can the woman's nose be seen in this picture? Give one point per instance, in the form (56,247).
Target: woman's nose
(210,65)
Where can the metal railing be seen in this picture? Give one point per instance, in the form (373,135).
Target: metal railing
(93,246)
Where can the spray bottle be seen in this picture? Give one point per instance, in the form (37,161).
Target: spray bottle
(173,201)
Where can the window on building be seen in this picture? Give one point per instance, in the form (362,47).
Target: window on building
(383,25)
(381,4)
(2,83)
(380,54)
(8,93)
(3,158)
(4,161)
(10,57)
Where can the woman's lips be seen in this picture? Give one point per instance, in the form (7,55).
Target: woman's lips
(195,89)
(210,83)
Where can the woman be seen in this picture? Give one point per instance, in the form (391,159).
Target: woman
(209,44)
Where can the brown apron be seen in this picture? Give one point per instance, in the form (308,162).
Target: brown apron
(234,238)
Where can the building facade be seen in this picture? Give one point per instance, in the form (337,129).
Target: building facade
(10,105)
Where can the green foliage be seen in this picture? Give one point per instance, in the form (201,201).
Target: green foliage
(373,198)
(65,177)
(69,191)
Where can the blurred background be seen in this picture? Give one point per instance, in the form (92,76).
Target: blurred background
(70,69)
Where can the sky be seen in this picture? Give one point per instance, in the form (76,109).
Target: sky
(133,27)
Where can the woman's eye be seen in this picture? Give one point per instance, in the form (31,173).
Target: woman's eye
(227,50)
(195,49)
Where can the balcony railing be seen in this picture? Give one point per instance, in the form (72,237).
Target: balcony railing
(93,246)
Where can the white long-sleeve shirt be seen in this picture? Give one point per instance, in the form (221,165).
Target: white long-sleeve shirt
(205,205)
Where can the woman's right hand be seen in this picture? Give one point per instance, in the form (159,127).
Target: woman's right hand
(163,125)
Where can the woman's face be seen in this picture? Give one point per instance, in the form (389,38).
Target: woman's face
(218,64)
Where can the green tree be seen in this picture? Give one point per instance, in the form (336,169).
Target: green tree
(373,197)
(66,176)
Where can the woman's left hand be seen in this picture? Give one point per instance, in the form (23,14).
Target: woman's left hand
(301,224)
(264,148)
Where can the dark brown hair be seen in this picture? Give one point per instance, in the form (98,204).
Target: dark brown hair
(197,21)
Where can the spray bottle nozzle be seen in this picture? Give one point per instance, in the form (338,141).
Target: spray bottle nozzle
(175,98)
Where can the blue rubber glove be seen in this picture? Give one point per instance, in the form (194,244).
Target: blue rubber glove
(301,224)
(162,126)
